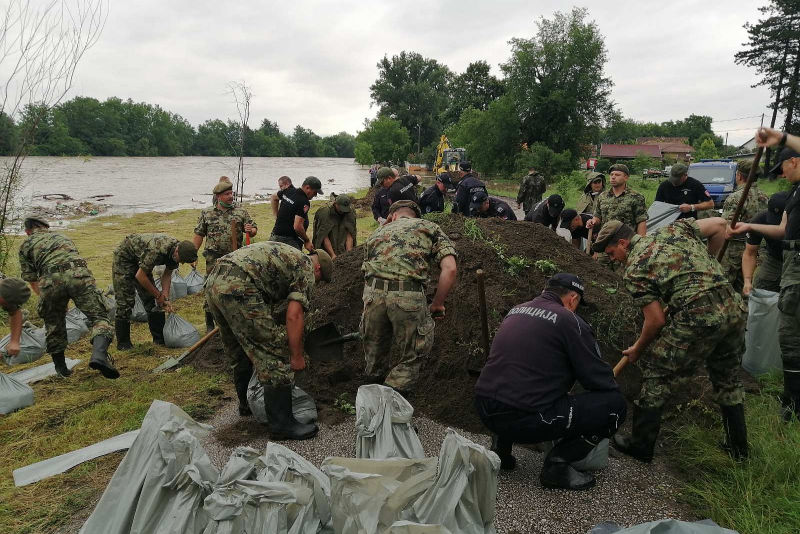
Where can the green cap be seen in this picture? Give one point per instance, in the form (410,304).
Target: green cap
(405,204)
(384,172)
(15,292)
(343,203)
(187,252)
(34,220)
(606,235)
(325,264)
(221,187)
(314,183)
(619,167)
(678,170)
(745,166)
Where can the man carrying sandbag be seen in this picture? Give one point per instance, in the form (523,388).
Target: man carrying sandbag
(14,293)
(57,273)
(244,291)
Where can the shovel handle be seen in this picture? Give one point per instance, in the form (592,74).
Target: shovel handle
(620,365)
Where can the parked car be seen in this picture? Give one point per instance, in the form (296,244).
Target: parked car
(718,175)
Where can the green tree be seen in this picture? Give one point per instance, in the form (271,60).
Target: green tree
(706,150)
(387,138)
(8,135)
(603,165)
(307,142)
(343,144)
(212,139)
(491,137)
(544,160)
(363,153)
(474,88)
(641,162)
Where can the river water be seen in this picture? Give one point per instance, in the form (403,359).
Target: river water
(168,184)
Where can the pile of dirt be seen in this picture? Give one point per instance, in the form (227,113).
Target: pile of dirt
(364,204)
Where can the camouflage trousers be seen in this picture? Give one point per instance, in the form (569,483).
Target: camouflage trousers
(56,290)
(401,318)
(789,328)
(768,274)
(211,261)
(292,241)
(125,288)
(247,326)
(710,331)
(732,264)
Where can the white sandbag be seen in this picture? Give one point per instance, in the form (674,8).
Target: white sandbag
(368,496)
(407,527)
(661,214)
(76,325)
(675,526)
(14,394)
(77,315)
(194,282)
(177,286)
(138,313)
(32,345)
(596,460)
(762,351)
(40,372)
(179,333)
(463,496)
(303,406)
(383,425)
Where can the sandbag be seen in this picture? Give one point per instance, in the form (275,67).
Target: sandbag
(177,286)
(383,425)
(661,214)
(111,306)
(32,345)
(179,333)
(303,406)
(76,325)
(596,460)
(14,394)
(762,350)
(675,526)
(138,313)
(194,282)
(407,527)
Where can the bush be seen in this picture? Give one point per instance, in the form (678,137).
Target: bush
(603,165)
(544,160)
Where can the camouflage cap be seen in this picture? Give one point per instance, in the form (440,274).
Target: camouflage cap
(619,167)
(36,220)
(745,166)
(222,186)
(410,204)
(314,183)
(385,172)
(15,292)
(606,235)
(187,252)
(343,203)
(325,264)
(678,170)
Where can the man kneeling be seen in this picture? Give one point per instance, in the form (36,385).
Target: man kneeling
(541,349)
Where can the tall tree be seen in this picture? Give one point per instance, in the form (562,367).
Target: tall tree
(475,88)
(388,139)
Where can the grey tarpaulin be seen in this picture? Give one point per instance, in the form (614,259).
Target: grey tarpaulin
(763,352)
(138,313)
(194,282)
(407,527)
(76,325)
(77,315)
(596,460)
(383,425)
(463,496)
(59,464)
(14,394)
(162,481)
(303,406)
(661,214)
(177,286)
(40,372)
(31,345)
(179,333)
(663,526)
(368,496)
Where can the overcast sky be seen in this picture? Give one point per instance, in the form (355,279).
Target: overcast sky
(312,62)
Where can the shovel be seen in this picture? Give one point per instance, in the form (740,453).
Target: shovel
(324,344)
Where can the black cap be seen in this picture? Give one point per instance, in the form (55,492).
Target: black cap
(554,205)
(566,217)
(775,207)
(465,166)
(786,153)
(478,199)
(569,281)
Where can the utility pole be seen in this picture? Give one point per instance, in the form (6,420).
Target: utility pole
(418,139)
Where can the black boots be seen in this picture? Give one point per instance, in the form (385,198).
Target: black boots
(790,400)
(156,321)
(242,373)
(642,441)
(101,360)
(557,471)
(60,364)
(282,424)
(502,448)
(123,330)
(209,322)
(735,431)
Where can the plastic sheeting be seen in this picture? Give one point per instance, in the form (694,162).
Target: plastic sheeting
(407,527)
(138,313)
(194,282)
(76,325)
(40,372)
(14,394)
(464,494)
(663,526)
(303,406)
(32,344)
(763,352)
(179,333)
(661,214)
(596,460)
(383,425)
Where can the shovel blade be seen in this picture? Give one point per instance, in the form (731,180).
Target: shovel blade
(318,344)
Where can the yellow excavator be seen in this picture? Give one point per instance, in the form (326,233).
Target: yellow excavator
(448,159)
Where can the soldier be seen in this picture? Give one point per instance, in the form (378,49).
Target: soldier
(56,272)
(397,257)
(285,187)
(756,203)
(482,205)
(244,292)
(672,267)
(595,184)
(768,275)
(292,220)
(381,201)
(467,186)
(335,227)
(214,195)
(682,190)
(14,293)
(432,199)
(547,212)
(132,271)
(531,190)
(215,224)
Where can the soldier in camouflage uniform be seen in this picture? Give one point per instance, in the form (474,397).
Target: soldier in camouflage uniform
(705,324)
(531,190)
(245,291)
(335,227)
(14,293)
(57,273)
(756,203)
(595,184)
(214,224)
(397,258)
(132,272)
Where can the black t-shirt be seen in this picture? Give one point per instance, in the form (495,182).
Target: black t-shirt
(288,191)
(774,246)
(381,203)
(690,192)
(582,231)
(294,203)
(792,215)
(404,188)
(540,213)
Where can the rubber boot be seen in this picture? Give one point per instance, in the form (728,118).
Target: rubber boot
(735,431)
(123,330)
(642,441)
(101,360)
(60,364)
(241,379)
(209,322)
(281,422)
(502,448)
(156,321)
(557,471)
(790,400)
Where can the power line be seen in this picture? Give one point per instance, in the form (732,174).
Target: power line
(753,128)
(740,118)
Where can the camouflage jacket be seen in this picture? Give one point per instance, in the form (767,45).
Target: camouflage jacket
(532,188)
(43,252)
(756,203)
(671,265)
(215,225)
(628,208)
(278,271)
(404,249)
(328,223)
(144,251)
(588,203)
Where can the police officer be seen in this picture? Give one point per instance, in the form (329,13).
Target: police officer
(467,186)
(432,199)
(576,224)
(547,212)
(682,190)
(672,267)
(381,201)
(482,205)
(541,349)
(244,291)
(531,189)
(51,263)
(397,260)
(14,293)
(768,276)
(215,223)
(292,220)
(335,227)
(404,188)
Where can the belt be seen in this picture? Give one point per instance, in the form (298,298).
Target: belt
(793,244)
(66,266)
(394,285)
(717,296)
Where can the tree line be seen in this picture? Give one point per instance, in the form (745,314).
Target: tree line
(115,127)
